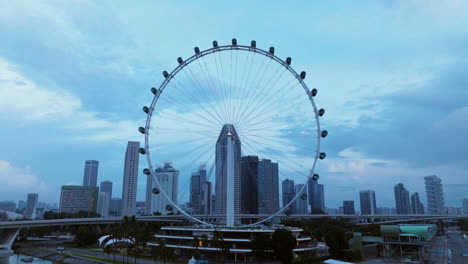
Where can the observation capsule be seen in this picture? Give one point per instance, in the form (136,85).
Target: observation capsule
(169,207)
(165,74)
(315,177)
(146,171)
(180,60)
(322,155)
(253,43)
(142,130)
(314,92)
(303,75)
(197,50)
(324,133)
(146,109)
(155,191)
(154,90)
(142,151)
(234,42)
(303,196)
(321,112)
(272,50)
(215,44)
(288,60)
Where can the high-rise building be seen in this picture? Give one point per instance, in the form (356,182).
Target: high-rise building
(206,199)
(130,178)
(21,204)
(249,185)
(300,204)
(106,186)
(368,204)
(416,206)
(103,204)
(221,160)
(288,194)
(435,195)
(90,173)
(402,199)
(316,196)
(8,206)
(268,187)
(168,178)
(348,207)
(31,205)
(78,198)
(384,211)
(465,206)
(115,207)
(197,180)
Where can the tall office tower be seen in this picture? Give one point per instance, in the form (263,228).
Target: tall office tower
(8,206)
(402,200)
(268,187)
(103,204)
(249,185)
(196,182)
(465,206)
(106,186)
(115,207)
(206,198)
(130,179)
(21,204)
(316,197)
(435,195)
(31,205)
(168,178)
(221,159)
(368,204)
(288,194)
(348,207)
(300,205)
(385,211)
(78,198)
(90,173)
(213,203)
(416,206)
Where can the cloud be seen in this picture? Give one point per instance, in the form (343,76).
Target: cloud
(24,100)
(13,178)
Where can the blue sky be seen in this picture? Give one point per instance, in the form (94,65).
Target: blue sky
(391,75)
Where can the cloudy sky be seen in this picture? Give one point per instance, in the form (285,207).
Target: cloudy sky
(392,76)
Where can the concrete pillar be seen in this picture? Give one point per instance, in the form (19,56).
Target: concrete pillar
(7,237)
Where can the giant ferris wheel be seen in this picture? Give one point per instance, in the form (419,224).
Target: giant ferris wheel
(224,106)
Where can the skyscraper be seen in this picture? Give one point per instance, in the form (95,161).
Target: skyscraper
(268,187)
(196,183)
(168,178)
(435,195)
(78,198)
(249,185)
(115,207)
(416,206)
(130,178)
(368,204)
(402,200)
(106,186)
(90,173)
(103,204)
(206,198)
(221,160)
(316,196)
(348,207)
(288,194)
(300,205)
(31,205)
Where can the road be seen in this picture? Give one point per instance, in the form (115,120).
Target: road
(111,257)
(457,245)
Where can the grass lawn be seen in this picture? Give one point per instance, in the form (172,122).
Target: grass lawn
(97,258)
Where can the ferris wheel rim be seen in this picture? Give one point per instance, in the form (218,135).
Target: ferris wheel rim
(194,58)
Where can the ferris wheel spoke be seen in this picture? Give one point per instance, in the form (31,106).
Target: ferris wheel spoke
(243,87)
(215,90)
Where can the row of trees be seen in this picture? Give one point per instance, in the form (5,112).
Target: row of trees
(63,215)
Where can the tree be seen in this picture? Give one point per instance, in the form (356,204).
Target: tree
(283,243)
(262,247)
(84,236)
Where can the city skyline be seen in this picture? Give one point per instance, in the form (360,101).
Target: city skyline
(378,117)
